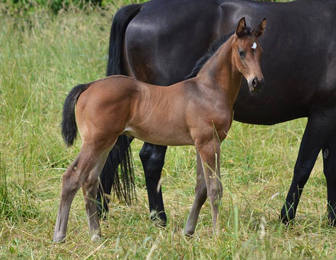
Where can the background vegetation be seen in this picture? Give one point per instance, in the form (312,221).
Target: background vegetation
(24,7)
(42,57)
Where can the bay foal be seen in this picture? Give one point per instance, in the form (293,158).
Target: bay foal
(198,111)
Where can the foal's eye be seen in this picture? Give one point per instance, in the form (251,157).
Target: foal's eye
(241,54)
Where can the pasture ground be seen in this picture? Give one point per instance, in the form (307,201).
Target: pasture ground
(42,58)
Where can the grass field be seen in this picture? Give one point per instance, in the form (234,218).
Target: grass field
(41,59)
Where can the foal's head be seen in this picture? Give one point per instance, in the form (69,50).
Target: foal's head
(247,53)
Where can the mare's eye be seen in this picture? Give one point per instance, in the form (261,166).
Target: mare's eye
(241,54)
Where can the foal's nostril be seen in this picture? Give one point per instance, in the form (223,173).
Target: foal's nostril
(254,82)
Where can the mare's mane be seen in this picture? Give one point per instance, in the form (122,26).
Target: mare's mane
(211,51)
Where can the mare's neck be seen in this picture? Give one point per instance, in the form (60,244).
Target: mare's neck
(221,74)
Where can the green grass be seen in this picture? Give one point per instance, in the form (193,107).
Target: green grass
(41,59)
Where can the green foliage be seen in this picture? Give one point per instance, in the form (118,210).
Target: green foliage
(57,5)
(15,203)
(24,7)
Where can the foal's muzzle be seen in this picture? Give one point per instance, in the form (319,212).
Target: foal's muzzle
(255,84)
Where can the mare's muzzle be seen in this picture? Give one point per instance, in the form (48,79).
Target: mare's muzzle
(255,84)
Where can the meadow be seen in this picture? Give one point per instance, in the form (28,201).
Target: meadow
(42,57)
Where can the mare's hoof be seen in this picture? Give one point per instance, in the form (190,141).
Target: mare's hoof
(159,218)
(287,216)
(286,221)
(332,220)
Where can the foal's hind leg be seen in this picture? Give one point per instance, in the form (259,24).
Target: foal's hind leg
(72,179)
(200,198)
(89,187)
(117,156)
(70,187)
(83,170)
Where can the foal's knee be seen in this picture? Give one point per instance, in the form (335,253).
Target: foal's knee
(215,193)
(70,181)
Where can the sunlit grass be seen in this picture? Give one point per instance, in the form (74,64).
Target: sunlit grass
(41,59)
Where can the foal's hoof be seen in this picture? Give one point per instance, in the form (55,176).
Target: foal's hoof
(58,239)
(95,238)
(189,233)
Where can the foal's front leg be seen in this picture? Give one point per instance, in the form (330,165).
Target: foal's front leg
(209,153)
(200,198)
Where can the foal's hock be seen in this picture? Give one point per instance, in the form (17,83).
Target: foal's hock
(198,111)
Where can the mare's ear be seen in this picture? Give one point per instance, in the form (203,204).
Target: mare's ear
(260,29)
(241,28)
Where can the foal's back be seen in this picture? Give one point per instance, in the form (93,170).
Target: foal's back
(120,104)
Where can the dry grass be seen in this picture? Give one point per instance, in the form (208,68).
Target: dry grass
(41,59)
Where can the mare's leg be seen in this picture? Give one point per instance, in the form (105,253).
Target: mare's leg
(210,153)
(152,158)
(329,163)
(200,198)
(120,154)
(315,136)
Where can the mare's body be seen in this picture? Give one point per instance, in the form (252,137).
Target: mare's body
(299,66)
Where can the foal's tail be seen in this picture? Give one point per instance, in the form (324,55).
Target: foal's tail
(69,126)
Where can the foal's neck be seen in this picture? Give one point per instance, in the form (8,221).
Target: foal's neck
(220,73)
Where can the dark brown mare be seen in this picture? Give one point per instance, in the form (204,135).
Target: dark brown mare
(198,111)
(150,42)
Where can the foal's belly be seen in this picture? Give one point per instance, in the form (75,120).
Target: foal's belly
(161,135)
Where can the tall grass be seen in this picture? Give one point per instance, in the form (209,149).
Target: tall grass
(41,59)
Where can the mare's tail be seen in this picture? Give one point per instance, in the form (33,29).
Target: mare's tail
(69,126)
(120,22)
(121,179)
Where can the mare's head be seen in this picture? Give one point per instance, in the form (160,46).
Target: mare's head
(247,53)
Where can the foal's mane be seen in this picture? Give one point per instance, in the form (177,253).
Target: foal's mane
(211,51)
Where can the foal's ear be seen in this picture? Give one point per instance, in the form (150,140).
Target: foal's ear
(260,29)
(241,28)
